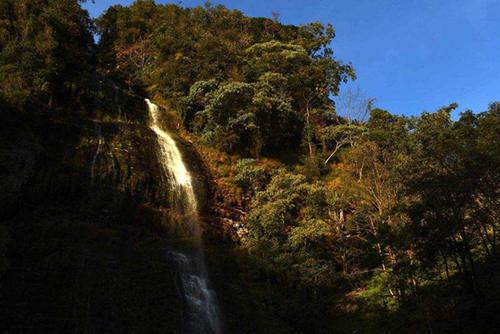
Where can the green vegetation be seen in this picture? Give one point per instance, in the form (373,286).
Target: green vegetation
(46,52)
(245,85)
(388,224)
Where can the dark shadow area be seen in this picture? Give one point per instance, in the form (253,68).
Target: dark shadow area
(85,235)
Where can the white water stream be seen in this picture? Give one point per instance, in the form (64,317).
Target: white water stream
(100,140)
(173,166)
(203,312)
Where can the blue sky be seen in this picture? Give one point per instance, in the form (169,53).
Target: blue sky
(410,55)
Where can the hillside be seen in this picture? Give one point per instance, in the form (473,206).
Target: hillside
(311,210)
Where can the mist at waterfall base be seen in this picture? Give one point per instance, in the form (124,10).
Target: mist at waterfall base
(202,311)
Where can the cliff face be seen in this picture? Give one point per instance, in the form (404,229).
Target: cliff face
(87,226)
(105,165)
(99,168)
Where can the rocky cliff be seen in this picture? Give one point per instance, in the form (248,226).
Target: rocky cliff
(87,225)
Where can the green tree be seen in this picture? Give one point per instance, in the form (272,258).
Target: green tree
(45,52)
(290,228)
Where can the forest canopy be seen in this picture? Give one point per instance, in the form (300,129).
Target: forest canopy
(247,85)
(341,203)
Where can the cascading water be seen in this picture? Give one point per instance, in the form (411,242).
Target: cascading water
(100,140)
(174,168)
(203,314)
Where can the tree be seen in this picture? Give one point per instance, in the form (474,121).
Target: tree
(442,178)
(289,227)
(280,127)
(353,106)
(45,52)
(338,136)
(228,119)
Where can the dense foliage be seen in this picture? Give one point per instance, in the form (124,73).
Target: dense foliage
(247,85)
(345,223)
(410,206)
(46,52)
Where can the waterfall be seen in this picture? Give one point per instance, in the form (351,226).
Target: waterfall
(174,168)
(203,313)
(202,309)
(100,140)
